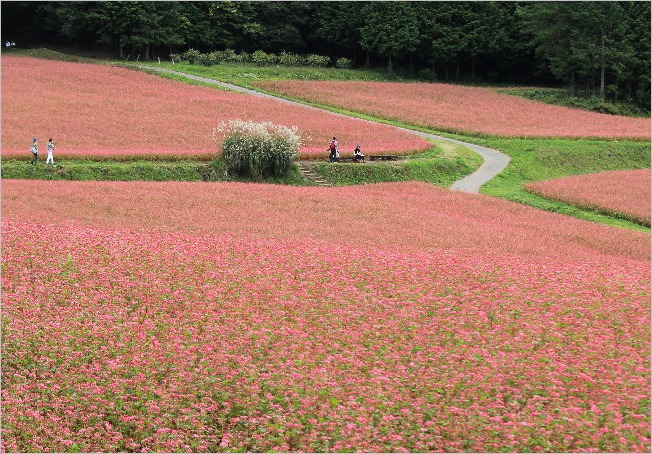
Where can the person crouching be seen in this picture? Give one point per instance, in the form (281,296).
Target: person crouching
(357,154)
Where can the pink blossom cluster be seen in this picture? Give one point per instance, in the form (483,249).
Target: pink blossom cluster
(462,109)
(116,340)
(136,320)
(625,193)
(103,111)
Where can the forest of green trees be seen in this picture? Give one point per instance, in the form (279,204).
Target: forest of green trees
(594,48)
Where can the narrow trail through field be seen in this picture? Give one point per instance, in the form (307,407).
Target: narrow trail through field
(494,161)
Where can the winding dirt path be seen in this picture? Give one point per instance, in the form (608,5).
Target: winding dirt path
(494,161)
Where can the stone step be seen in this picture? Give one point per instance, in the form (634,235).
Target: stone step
(310,175)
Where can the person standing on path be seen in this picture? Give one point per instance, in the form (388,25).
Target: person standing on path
(50,158)
(332,148)
(34,151)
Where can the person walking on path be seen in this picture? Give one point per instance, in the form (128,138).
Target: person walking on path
(34,151)
(50,158)
(332,148)
(337,148)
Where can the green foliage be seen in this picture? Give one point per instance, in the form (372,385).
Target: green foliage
(564,97)
(584,41)
(543,159)
(391,29)
(257,149)
(245,73)
(192,56)
(317,61)
(231,56)
(259,57)
(338,24)
(344,63)
(438,172)
(427,74)
(291,59)
(262,58)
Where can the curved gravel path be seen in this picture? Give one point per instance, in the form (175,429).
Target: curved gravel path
(494,161)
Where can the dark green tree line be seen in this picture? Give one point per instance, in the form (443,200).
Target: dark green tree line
(600,48)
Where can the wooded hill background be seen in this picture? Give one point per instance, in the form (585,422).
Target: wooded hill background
(595,48)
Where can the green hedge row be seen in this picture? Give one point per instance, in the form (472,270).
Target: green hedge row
(259,57)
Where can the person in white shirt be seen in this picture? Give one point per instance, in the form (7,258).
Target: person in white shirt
(50,158)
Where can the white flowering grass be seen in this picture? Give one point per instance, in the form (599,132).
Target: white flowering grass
(257,149)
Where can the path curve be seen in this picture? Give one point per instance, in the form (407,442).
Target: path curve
(494,161)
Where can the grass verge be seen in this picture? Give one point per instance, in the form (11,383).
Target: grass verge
(139,170)
(245,73)
(540,160)
(545,159)
(564,97)
(441,166)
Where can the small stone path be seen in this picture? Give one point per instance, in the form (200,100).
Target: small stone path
(494,161)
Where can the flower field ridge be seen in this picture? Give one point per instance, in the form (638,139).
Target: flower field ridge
(122,340)
(100,111)
(462,109)
(625,193)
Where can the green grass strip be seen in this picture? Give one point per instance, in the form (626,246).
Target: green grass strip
(137,170)
(441,166)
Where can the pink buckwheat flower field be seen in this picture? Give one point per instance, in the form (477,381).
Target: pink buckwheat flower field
(622,192)
(133,114)
(160,317)
(462,109)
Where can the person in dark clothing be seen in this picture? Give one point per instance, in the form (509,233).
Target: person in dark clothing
(34,151)
(357,154)
(332,148)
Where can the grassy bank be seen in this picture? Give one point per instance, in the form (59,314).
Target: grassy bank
(440,166)
(545,159)
(245,73)
(540,160)
(82,170)
(564,97)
